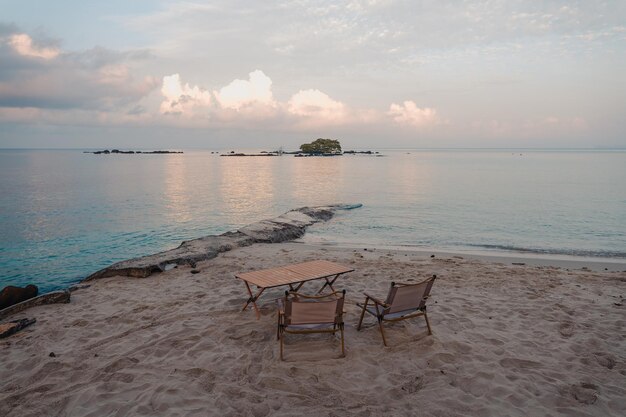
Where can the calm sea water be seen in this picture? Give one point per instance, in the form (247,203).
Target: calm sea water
(65,214)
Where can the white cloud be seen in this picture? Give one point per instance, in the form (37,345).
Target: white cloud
(408,113)
(240,93)
(182,99)
(250,104)
(316,105)
(23,45)
(251,100)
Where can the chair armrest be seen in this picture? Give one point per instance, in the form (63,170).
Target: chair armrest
(376,300)
(402,284)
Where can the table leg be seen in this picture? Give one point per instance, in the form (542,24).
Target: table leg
(329,283)
(253,299)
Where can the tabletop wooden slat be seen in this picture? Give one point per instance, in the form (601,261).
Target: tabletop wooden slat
(273,277)
(318,269)
(291,274)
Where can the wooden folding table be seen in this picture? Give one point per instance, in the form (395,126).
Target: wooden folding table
(294,276)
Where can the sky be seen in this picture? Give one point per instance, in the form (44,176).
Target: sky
(259,75)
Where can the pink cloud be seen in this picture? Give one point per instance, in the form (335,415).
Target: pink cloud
(23,45)
(408,113)
(317,106)
(182,99)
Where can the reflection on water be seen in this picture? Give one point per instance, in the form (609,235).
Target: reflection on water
(177,191)
(65,214)
(247,185)
(410,178)
(44,191)
(317,180)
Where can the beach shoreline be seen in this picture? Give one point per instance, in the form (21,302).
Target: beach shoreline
(507,339)
(532,259)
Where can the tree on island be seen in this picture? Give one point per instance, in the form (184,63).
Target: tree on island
(322,147)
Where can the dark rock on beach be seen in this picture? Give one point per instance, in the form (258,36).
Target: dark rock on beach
(288,226)
(11,295)
(49,298)
(12,327)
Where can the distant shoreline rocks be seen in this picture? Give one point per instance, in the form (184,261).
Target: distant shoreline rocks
(263,153)
(234,153)
(361,152)
(117,151)
(299,154)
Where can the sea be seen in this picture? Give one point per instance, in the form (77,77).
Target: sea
(65,214)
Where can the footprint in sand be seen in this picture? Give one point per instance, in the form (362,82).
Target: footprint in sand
(566,329)
(605,360)
(120,364)
(515,363)
(119,377)
(413,385)
(584,393)
(205,378)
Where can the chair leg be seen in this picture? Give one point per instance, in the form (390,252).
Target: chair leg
(343,349)
(362,314)
(427,323)
(281,337)
(382,331)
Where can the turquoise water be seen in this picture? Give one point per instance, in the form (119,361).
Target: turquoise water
(65,214)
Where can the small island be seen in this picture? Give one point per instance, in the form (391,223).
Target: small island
(318,147)
(321,147)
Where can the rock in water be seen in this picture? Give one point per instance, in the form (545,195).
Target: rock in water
(12,295)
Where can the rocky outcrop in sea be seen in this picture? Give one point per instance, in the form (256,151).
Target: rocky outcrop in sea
(288,226)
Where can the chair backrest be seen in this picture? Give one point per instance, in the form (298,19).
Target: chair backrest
(317,310)
(404,297)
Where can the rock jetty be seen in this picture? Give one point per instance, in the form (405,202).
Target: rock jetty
(288,226)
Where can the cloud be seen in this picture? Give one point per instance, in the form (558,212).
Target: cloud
(23,45)
(33,75)
(408,113)
(313,104)
(251,104)
(243,101)
(240,93)
(182,99)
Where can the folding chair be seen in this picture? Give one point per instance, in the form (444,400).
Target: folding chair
(303,314)
(404,301)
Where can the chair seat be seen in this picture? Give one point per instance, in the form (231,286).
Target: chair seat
(315,326)
(397,314)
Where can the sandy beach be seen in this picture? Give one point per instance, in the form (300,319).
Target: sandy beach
(508,340)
